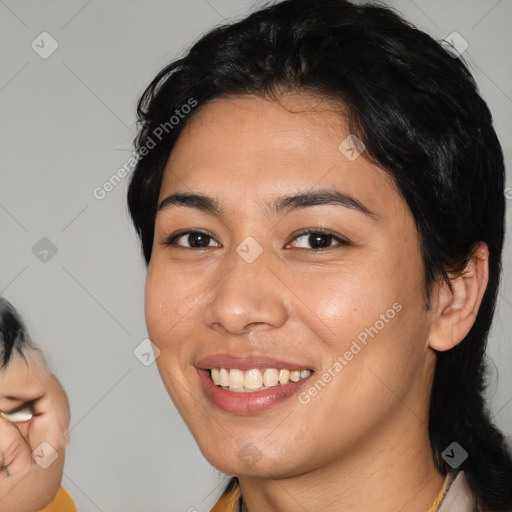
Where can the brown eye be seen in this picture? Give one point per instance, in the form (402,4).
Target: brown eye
(313,240)
(194,239)
(319,239)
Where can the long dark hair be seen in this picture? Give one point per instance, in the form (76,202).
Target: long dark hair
(417,109)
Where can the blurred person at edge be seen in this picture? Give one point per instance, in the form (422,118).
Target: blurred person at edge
(32,447)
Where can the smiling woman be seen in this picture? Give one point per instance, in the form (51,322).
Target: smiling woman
(339,164)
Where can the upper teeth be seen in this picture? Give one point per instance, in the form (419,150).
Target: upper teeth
(255,378)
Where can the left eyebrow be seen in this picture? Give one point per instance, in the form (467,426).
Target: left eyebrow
(279,205)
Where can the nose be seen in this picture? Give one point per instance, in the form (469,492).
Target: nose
(247,297)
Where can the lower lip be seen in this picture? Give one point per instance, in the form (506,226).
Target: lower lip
(251,402)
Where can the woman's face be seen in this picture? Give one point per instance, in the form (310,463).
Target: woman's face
(251,290)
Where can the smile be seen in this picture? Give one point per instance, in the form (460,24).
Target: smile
(250,383)
(255,379)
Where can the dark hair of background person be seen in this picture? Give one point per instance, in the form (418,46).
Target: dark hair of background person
(13,334)
(418,111)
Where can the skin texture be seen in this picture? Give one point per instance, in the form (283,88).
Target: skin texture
(362,442)
(26,485)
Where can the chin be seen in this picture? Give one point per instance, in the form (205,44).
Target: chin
(248,460)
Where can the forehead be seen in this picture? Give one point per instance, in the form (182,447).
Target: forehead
(249,147)
(22,381)
(19,370)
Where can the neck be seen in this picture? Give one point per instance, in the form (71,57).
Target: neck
(394,471)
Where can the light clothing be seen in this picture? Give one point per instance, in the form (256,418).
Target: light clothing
(460,497)
(454,496)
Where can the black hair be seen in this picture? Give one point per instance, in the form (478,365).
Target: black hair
(13,334)
(417,109)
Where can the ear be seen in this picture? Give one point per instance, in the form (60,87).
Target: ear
(456,309)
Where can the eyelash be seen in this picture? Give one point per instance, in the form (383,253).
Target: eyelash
(317,231)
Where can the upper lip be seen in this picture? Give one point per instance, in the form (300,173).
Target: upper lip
(247,362)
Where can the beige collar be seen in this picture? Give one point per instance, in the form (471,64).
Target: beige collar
(442,493)
(455,496)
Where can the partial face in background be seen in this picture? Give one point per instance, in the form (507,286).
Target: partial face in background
(333,288)
(27,384)
(24,380)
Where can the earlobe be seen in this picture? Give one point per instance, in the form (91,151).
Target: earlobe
(456,309)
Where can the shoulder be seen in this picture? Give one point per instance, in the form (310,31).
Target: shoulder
(62,502)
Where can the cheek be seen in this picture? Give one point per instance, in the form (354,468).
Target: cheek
(348,299)
(167,303)
(173,315)
(371,318)
(153,305)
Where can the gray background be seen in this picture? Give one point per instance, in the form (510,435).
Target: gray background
(67,126)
